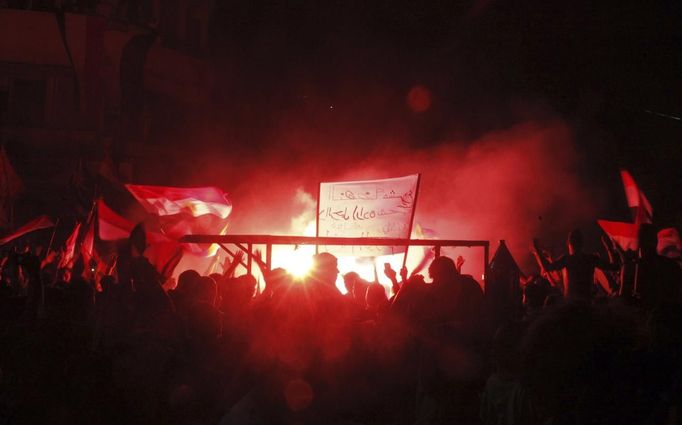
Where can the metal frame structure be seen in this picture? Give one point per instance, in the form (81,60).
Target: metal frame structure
(246,244)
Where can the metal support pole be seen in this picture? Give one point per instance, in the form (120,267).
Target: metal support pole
(268,256)
(232,254)
(486,260)
(249,260)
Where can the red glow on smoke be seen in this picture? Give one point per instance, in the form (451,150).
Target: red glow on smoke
(490,188)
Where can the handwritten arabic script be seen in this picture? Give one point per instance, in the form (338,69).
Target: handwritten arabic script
(370,208)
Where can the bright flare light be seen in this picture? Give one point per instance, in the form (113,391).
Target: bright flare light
(297,260)
(300,261)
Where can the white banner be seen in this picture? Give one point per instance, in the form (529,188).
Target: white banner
(367,209)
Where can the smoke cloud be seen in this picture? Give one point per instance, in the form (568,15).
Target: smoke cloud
(512,184)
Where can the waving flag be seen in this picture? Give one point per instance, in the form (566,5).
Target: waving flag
(162,251)
(624,234)
(195,201)
(186,211)
(112,227)
(179,225)
(638,203)
(42,222)
(88,242)
(70,247)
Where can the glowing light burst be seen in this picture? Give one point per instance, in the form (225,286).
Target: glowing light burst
(299,260)
(296,260)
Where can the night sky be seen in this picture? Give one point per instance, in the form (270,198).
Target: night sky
(598,66)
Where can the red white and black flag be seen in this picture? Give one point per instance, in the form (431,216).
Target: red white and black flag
(162,251)
(624,234)
(186,211)
(642,211)
(195,201)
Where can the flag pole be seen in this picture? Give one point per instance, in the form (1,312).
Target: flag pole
(317,217)
(54,231)
(414,209)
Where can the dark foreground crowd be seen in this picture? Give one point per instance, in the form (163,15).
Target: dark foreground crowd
(120,349)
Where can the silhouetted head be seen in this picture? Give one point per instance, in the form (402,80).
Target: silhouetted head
(246,285)
(349,281)
(535,292)
(442,269)
(207,291)
(187,281)
(325,268)
(575,241)
(376,296)
(277,279)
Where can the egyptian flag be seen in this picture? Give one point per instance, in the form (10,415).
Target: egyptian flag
(179,225)
(70,247)
(624,234)
(42,222)
(197,201)
(642,211)
(187,211)
(161,250)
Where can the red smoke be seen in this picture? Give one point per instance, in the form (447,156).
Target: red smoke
(510,184)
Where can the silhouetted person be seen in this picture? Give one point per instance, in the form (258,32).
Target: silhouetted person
(356,287)
(578,267)
(376,300)
(446,381)
(658,279)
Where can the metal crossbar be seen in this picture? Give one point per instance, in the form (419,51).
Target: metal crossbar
(246,243)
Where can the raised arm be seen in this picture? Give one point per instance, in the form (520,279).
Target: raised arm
(392,275)
(545,263)
(614,261)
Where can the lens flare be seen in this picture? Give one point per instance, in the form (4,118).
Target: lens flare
(296,260)
(300,261)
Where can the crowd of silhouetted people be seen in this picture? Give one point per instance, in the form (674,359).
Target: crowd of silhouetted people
(121,347)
